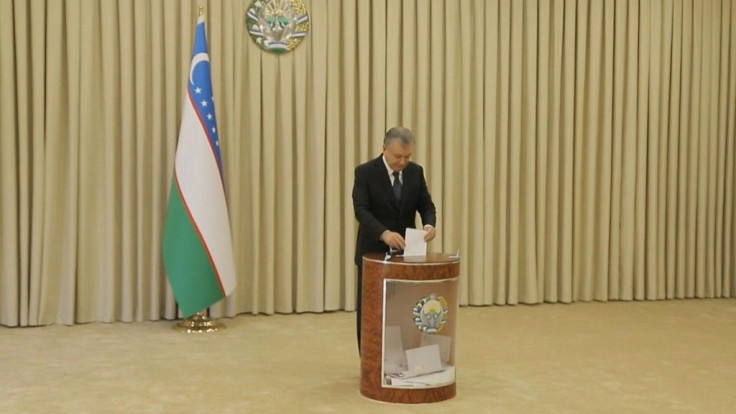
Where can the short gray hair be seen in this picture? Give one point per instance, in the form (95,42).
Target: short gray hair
(404,135)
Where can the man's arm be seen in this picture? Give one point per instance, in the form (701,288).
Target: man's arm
(426,208)
(363,206)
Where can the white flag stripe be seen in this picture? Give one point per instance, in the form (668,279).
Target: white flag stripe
(200,183)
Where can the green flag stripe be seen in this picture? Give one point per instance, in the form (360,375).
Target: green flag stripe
(188,265)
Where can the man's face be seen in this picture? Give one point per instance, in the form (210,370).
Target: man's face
(397,155)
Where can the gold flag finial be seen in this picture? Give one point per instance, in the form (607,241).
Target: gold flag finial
(201,10)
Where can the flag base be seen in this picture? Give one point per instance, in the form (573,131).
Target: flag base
(199,323)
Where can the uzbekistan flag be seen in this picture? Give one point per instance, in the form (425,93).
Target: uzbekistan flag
(197,247)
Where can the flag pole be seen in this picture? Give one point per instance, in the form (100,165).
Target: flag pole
(199,323)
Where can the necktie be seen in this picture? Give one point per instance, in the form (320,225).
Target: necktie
(397,185)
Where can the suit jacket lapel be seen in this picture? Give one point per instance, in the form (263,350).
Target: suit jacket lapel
(406,178)
(386,180)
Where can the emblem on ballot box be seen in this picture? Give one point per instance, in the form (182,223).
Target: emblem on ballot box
(430,314)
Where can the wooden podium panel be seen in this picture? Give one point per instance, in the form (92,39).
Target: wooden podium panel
(377,271)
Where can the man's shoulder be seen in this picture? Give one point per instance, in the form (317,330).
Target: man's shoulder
(412,166)
(370,164)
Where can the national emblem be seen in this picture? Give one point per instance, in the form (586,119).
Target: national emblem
(277,26)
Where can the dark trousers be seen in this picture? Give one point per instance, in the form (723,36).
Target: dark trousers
(358,303)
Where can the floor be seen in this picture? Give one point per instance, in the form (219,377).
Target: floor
(633,357)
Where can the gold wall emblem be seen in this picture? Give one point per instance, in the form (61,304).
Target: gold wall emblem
(277,26)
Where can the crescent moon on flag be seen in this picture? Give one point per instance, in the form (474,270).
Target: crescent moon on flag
(198,58)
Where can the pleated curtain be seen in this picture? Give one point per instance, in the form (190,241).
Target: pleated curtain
(577,150)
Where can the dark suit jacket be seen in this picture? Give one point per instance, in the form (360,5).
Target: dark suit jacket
(377,210)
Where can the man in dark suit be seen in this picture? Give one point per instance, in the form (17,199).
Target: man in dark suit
(387,193)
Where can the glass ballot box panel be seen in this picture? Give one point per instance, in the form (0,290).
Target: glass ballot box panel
(419,325)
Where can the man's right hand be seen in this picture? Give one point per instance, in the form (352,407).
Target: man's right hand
(393,239)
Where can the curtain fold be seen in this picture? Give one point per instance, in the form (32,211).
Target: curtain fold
(577,150)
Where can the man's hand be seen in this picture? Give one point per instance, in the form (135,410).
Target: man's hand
(393,239)
(431,232)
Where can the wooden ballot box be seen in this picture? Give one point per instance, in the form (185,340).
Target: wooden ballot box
(408,327)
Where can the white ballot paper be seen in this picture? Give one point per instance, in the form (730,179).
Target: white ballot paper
(423,360)
(444,342)
(415,244)
(394,357)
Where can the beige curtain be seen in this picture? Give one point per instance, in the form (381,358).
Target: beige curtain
(577,150)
